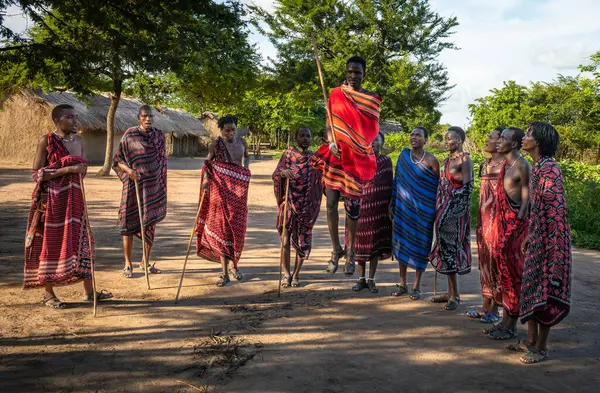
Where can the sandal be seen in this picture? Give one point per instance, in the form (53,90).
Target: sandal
(440,298)
(350,265)
(416,294)
(286,281)
(333,263)
(520,346)
(490,317)
(475,312)
(236,274)
(102,295)
(534,356)
(54,303)
(503,334)
(402,289)
(452,304)
(372,286)
(295,282)
(360,285)
(128,272)
(223,280)
(492,329)
(151,269)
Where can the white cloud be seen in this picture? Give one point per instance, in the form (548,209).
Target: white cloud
(521,40)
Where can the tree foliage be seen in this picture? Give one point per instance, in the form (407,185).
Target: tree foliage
(571,104)
(400,39)
(148,46)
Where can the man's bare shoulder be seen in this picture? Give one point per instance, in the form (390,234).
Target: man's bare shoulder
(43,140)
(431,159)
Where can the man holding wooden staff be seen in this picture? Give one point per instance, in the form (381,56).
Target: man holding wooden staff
(348,161)
(141,158)
(58,246)
(303,201)
(221,225)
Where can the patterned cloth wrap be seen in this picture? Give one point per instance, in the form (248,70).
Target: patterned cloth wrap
(451,252)
(486,233)
(221,226)
(144,152)
(304,198)
(374,228)
(414,196)
(61,252)
(355,118)
(546,286)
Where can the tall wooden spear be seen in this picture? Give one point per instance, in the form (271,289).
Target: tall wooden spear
(145,261)
(89,235)
(187,253)
(316,53)
(283,232)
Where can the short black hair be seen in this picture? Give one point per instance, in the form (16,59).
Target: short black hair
(546,136)
(359,60)
(499,128)
(227,119)
(517,135)
(459,131)
(425,131)
(301,128)
(144,108)
(58,110)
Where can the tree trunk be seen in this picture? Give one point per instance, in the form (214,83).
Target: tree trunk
(115,97)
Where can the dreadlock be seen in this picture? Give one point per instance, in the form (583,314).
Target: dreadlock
(546,136)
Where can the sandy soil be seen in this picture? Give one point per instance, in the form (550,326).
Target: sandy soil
(321,337)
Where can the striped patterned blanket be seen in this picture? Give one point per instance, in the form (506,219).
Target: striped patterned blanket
(61,252)
(355,118)
(414,196)
(221,226)
(144,152)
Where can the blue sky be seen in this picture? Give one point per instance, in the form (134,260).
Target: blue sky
(524,40)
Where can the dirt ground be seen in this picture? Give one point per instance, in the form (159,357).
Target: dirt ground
(321,337)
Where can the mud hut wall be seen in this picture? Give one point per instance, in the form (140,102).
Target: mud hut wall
(21,126)
(95,145)
(185,146)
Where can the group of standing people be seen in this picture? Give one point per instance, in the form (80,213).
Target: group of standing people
(419,213)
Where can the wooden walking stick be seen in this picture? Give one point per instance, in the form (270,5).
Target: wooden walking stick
(187,253)
(316,53)
(285,206)
(89,235)
(145,261)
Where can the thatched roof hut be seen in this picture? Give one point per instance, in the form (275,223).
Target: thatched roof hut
(25,116)
(210,122)
(390,126)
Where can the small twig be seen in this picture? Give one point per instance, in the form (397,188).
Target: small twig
(192,386)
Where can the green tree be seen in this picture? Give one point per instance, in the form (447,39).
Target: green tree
(400,39)
(144,45)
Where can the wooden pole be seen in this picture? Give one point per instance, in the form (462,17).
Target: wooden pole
(316,53)
(187,253)
(89,234)
(285,206)
(145,261)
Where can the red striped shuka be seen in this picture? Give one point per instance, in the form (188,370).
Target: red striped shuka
(61,252)
(355,118)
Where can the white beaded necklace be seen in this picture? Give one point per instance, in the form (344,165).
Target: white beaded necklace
(62,137)
(418,162)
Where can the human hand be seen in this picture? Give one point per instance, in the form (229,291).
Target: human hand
(205,184)
(287,173)
(133,175)
(335,150)
(524,245)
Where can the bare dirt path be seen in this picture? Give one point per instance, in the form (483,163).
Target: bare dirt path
(321,337)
